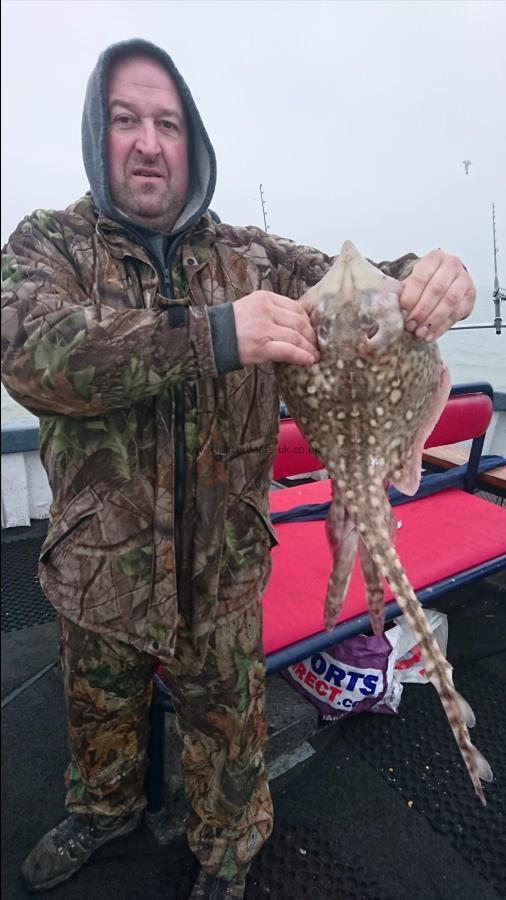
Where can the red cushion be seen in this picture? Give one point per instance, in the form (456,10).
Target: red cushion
(463,418)
(469,531)
(294,456)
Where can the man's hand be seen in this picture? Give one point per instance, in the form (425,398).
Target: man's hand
(437,294)
(273,328)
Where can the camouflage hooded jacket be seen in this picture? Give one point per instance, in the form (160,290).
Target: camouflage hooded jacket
(91,346)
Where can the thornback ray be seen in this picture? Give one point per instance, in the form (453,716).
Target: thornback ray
(366,408)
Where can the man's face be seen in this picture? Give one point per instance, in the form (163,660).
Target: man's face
(147,144)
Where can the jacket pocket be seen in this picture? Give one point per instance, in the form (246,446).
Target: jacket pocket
(80,508)
(246,561)
(262,513)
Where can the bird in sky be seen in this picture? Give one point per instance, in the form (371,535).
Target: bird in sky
(466,163)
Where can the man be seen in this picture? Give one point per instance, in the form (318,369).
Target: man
(143,334)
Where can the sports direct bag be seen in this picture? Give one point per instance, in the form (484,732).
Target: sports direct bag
(365,673)
(351,677)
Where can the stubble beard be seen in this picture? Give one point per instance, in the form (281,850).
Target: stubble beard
(145,207)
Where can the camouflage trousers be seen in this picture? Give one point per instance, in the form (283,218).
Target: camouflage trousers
(220,716)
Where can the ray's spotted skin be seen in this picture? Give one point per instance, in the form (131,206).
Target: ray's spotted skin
(366,408)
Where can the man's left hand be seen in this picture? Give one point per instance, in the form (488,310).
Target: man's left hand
(437,294)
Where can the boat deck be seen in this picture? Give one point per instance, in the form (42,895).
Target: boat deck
(379,808)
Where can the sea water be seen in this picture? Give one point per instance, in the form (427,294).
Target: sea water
(471,355)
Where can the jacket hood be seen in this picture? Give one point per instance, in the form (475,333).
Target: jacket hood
(95,124)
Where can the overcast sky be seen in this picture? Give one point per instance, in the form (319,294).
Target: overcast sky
(355,116)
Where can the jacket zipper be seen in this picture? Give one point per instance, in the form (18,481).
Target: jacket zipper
(165,279)
(179,442)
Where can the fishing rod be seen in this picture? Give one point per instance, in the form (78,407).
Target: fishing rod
(498,294)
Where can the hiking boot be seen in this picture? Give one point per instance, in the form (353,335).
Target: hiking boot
(66,848)
(208,887)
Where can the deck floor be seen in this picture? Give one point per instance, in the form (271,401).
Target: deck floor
(383,810)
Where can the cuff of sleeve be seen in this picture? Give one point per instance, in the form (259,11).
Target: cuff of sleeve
(224,338)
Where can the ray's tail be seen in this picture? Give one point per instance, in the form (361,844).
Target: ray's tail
(343,538)
(439,671)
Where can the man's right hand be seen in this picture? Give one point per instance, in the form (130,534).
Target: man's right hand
(273,328)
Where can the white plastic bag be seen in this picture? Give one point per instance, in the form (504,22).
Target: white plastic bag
(409,667)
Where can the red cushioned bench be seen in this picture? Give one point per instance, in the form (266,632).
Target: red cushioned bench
(446,539)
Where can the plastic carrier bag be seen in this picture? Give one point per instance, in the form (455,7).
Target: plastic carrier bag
(351,677)
(365,673)
(408,664)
